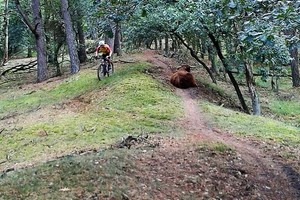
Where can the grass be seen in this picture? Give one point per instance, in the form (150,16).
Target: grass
(21,101)
(249,125)
(288,110)
(218,147)
(73,177)
(133,103)
(214,87)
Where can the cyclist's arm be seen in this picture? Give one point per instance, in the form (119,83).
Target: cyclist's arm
(110,52)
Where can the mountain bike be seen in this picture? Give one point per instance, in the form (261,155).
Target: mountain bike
(106,68)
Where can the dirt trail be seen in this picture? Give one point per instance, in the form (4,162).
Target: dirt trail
(271,178)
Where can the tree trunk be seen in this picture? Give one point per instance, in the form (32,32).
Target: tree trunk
(29,52)
(40,41)
(37,29)
(160,44)
(203,49)
(117,45)
(70,37)
(55,57)
(5,33)
(232,79)
(110,40)
(294,62)
(81,37)
(81,49)
(295,67)
(166,50)
(212,58)
(252,90)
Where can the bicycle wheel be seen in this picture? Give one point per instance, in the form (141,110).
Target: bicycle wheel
(101,71)
(111,69)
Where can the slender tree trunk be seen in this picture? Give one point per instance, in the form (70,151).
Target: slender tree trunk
(212,58)
(203,49)
(232,79)
(295,60)
(29,52)
(70,37)
(174,43)
(55,57)
(5,32)
(166,50)
(160,44)
(295,67)
(252,90)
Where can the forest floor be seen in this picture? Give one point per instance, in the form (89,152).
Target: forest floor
(192,167)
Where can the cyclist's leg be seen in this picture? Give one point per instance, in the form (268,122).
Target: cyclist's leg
(105,70)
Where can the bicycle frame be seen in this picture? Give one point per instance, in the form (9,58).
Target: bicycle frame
(104,68)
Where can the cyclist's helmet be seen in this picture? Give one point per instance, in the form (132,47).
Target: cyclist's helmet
(101,42)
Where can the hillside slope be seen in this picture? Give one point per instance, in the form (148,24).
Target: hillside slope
(197,162)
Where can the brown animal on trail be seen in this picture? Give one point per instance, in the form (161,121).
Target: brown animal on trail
(182,78)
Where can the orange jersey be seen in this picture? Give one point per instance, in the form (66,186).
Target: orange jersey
(104,49)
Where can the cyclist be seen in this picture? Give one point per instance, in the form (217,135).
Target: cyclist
(105,50)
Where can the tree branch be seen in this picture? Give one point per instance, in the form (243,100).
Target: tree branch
(194,55)
(20,67)
(26,19)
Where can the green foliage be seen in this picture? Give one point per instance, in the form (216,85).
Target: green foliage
(249,31)
(103,13)
(18,34)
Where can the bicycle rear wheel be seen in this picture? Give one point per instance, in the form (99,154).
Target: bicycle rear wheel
(101,71)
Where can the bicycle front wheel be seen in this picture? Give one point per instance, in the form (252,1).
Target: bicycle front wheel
(111,69)
(101,72)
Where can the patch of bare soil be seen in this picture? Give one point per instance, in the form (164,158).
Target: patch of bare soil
(182,168)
